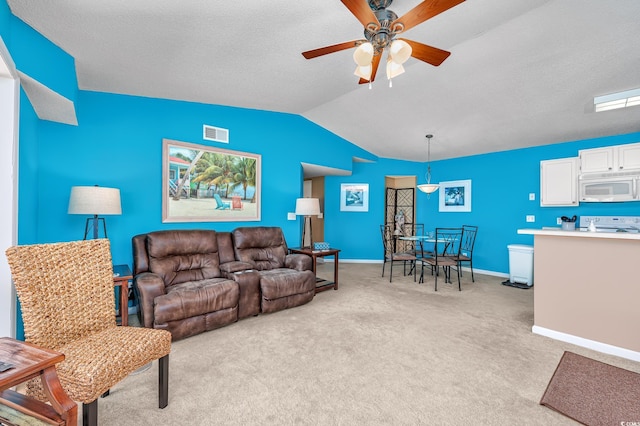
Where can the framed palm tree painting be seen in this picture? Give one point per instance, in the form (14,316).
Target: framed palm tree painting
(205,184)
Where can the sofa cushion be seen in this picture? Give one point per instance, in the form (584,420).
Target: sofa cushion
(194,298)
(184,255)
(276,283)
(262,246)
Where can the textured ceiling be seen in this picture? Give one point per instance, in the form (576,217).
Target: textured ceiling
(521,72)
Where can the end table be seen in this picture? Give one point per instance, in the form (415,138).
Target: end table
(321,284)
(121,276)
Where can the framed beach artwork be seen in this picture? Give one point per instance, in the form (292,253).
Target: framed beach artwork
(455,196)
(205,184)
(354,197)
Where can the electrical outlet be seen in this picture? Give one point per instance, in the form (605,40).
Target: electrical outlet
(558,221)
(531,218)
(532,196)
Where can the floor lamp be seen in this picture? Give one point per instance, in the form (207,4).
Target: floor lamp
(307,207)
(94,200)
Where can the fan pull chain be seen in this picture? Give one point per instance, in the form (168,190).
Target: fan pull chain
(390,83)
(369,85)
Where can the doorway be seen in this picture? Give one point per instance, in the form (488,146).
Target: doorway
(314,188)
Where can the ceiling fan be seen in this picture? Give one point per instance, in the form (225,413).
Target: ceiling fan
(381,26)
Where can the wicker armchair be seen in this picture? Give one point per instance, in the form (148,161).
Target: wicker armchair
(66,294)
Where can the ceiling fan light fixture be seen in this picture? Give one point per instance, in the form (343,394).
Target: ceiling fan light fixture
(393,69)
(399,51)
(364,72)
(363,55)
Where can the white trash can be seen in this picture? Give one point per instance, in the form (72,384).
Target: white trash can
(521,264)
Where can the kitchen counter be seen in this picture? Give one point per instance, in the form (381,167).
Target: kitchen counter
(558,232)
(586,289)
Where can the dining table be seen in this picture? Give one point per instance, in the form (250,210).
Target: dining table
(429,238)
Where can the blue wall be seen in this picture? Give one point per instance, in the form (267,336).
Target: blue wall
(42,60)
(357,234)
(5,16)
(118,143)
(501,184)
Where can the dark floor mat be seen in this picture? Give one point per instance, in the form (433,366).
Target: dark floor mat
(516,285)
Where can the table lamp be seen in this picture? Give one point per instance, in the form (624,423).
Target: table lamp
(307,207)
(94,200)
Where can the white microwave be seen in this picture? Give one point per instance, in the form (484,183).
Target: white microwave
(600,189)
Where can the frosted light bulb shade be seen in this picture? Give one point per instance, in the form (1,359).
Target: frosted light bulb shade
(399,51)
(363,54)
(94,200)
(429,188)
(307,207)
(364,72)
(393,69)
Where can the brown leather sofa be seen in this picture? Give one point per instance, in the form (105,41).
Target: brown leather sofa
(286,280)
(191,281)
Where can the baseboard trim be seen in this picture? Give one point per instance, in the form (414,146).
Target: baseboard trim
(587,343)
(464,269)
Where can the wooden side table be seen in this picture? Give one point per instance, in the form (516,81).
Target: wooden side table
(121,276)
(321,284)
(31,361)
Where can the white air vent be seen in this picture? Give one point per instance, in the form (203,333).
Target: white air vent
(215,134)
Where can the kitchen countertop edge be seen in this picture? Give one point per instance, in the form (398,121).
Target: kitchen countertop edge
(581,234)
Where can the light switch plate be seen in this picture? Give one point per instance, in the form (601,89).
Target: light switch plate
(320,215)
(532,196)
(291,216)
(531,218)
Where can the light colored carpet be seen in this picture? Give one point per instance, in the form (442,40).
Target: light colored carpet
(371,353)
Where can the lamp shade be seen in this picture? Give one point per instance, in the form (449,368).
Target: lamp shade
(393,69)
(363,71)
(399,51)
(363,55)
(94,200)
(307,207)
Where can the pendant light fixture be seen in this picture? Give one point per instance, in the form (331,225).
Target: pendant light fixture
(429,188)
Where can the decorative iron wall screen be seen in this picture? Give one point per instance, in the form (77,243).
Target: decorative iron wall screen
(397,200)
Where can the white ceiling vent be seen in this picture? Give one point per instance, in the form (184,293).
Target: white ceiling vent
(215,134)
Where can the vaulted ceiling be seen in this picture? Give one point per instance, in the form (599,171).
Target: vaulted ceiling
(521,72)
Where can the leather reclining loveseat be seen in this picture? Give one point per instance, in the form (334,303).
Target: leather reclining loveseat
(191,281)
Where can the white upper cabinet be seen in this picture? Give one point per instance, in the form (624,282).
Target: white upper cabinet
(629,157)
(617,158)
(559,182)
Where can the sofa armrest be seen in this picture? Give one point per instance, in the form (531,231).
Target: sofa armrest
(249,285)
(298,261)
(229,268)
(149,286)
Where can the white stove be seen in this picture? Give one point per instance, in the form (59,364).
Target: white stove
(611,223)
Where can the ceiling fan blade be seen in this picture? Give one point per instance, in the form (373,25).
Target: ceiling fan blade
(428,54)
(329,49)
(374,69)
(425,10)
(362,11)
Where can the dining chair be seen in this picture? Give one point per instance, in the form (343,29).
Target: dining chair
(447,246)
(66,294)
(468,240)
(391,255)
